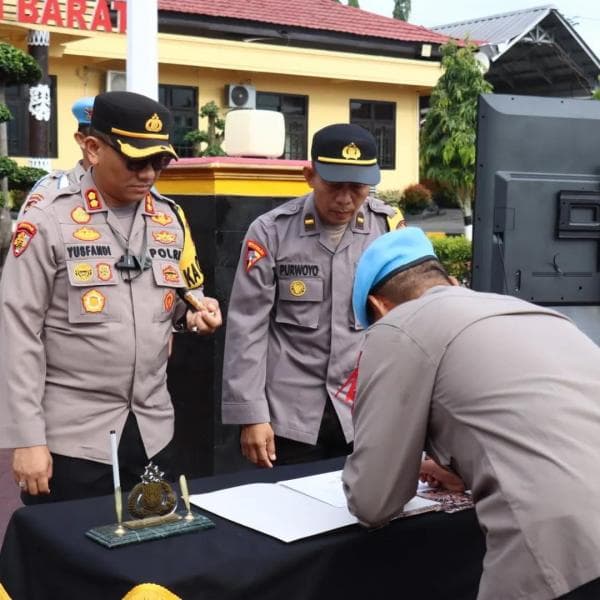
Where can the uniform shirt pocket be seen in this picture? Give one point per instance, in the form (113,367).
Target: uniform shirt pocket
(299,301)
(168,276)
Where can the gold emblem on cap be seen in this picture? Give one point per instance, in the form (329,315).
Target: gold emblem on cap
(297,288)
(351,152)
(154,124)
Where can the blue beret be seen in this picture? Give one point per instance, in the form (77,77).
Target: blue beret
(82,110)
(389,254)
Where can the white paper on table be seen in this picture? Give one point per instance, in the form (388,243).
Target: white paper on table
(283,512)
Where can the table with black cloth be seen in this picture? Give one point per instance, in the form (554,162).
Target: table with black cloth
(429,556)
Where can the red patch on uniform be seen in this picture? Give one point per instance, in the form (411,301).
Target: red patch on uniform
(169,300)
(104,271)
(31,201)
(23,235)
(254,252)
(92,200)
(149,204)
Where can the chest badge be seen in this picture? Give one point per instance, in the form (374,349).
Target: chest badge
(79,215)
(170,274)
(161,218)
(297,288)
(93,301)
(23,235)
(87,234)
(164,237)
(83,272)
(104,271)
(169,300)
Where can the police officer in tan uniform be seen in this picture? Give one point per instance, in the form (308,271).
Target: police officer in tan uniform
(56,180)
(292,338)
(89,296)
(504,393)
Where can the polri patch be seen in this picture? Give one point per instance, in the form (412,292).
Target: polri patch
(93,301)
(79,215)
(23,235)
(254,252)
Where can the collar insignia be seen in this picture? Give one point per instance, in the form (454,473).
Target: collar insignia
(360,220)
(92,200)
(149,204)
(309,222)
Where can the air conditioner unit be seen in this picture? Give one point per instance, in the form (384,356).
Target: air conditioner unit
(116,81)
(240,96)
(254,133)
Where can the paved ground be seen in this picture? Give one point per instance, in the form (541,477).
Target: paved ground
(9,492)
(448,220)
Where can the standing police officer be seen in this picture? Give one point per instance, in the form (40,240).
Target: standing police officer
(88,299)
(56,180)
(292,337)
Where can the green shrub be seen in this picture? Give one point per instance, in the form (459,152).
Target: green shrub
(415,198)
(391,197)
(454,252)
(24,177)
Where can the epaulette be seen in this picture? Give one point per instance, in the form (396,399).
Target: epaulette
(292,207)
(393,215)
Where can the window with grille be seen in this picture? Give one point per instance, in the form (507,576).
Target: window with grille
(295,114)
(182,101)
(380,119)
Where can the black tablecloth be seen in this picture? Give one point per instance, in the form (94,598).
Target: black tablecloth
(431,556)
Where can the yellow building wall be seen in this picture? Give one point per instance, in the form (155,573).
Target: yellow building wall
(329,80)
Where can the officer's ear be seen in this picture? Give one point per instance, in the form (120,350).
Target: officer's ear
(309,174)
(93,147)
(378,306)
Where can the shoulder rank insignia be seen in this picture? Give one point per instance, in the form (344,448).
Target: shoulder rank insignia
(87,234)
(92,200)
(23,235)
(161,218)
(93,301)
(149,204)
(254,252)
(360,220)
(79,215)
(309,222)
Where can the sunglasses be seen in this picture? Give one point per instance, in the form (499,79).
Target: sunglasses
(158,162)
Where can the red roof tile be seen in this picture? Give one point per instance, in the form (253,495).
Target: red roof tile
(325,15)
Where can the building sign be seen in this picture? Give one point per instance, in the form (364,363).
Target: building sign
(86,15)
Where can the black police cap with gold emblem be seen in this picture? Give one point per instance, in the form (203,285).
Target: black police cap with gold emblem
(345,153)
(138,126)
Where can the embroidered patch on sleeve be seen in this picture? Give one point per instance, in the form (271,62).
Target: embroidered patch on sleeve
(254,252)
(23,235)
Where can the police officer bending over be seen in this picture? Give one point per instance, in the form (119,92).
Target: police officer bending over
(292,337)
(88,300)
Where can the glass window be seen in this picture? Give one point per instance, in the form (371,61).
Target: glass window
(295,110)
(380,119)
(182,101)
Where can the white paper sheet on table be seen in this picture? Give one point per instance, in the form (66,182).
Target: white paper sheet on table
(293,509)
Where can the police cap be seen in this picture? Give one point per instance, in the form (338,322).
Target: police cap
(345,153)
(388,255)
(82,110)
(138,126)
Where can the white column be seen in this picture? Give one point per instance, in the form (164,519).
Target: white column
(142,47)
